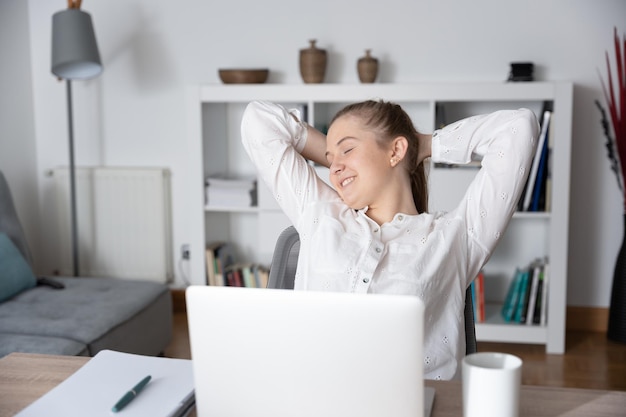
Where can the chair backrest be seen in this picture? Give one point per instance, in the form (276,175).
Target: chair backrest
(9,222)
(470,329)
(283,272)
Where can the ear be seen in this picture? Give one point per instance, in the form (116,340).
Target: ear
(399,147)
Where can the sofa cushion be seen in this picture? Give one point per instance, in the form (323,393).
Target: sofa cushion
(15,273)
(94,306)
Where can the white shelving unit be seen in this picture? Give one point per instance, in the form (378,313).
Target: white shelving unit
(214,116)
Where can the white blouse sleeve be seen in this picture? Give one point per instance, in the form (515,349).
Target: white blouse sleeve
(506,141)
(273,138)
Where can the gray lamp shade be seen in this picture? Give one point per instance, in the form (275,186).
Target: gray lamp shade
(75,53)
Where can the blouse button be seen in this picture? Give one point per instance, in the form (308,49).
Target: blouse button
(376,230)
(366,280)
(378,250)
(400,217)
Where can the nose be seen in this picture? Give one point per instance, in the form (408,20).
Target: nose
(336,167)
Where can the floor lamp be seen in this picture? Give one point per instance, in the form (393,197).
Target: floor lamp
(75,56)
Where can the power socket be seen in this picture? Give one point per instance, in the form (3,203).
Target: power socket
(185,252)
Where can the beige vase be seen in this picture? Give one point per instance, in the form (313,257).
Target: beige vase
(367,67)
(312,64)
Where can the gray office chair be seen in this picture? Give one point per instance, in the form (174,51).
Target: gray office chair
(283,271)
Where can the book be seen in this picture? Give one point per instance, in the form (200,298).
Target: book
(520,308)
(536,269)
(537,311)
(544,294)
(237,278)
(532,176)
(510,302)
(548,192)
(540,182)
(472,290)
(101,382)
(261,276)
(248,277)
(210,262)
(224,257)
(479,298)
(229,278)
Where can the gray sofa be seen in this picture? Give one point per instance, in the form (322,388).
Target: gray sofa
(84,317)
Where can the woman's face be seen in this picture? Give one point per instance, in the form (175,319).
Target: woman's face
(359,165)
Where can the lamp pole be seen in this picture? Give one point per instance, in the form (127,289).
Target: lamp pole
(74,211)
(75,56)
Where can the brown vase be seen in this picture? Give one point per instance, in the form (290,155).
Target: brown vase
(367,67)
(312,64)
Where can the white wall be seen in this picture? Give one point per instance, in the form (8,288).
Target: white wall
(134,113)
(17,125)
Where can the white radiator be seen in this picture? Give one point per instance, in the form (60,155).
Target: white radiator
(124,223)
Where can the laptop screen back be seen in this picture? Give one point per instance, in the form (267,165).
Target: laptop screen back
(281,353)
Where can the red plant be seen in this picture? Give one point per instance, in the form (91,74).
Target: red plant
(616,100)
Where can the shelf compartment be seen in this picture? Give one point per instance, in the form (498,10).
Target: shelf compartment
(495,329)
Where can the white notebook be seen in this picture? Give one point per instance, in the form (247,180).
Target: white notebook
(95,388)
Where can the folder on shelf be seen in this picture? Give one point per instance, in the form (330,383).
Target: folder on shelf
(531,183)
(96,387)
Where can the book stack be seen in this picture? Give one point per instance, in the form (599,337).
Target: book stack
(246,275)
(224,270)
(228,192)
(527,297)
(538,189)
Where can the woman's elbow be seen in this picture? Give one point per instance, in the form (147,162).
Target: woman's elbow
(530,119)
(251,119)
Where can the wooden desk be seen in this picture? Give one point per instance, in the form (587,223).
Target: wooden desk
(26,377)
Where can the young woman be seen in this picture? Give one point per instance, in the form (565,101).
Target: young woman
(371,232)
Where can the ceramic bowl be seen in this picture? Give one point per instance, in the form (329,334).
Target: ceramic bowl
(244,76)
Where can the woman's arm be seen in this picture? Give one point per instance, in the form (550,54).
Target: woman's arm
(315,147)
(275,140)
(506,141)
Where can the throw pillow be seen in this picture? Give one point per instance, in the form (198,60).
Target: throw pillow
(15,273)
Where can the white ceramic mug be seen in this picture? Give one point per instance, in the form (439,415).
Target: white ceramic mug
(491,384)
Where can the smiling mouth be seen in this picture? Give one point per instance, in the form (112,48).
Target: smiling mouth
(347,181)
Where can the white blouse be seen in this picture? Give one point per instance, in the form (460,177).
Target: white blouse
(434,256)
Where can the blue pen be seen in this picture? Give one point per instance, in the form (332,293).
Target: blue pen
(130,395)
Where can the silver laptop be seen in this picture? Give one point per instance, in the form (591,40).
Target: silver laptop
(280,353)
